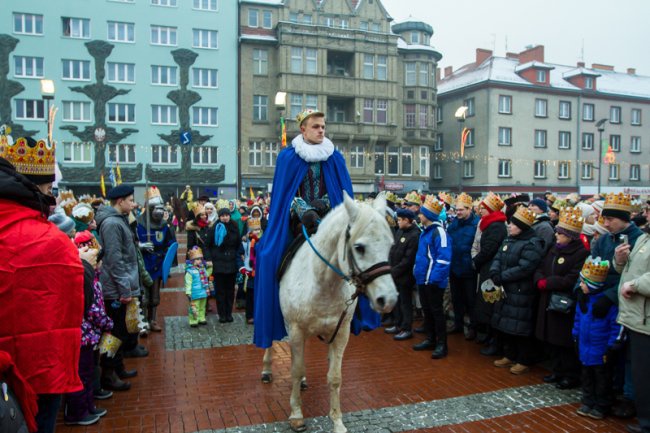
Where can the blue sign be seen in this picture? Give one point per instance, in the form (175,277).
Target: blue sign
(186,137)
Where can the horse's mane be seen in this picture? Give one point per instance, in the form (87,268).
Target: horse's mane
(337,221)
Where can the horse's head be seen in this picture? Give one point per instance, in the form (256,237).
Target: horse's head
(369,243)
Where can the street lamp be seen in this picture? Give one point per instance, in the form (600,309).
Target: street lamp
(600,125)
(47,93)
(461,115)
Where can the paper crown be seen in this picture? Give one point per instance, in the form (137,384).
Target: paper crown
(391,196)
(432,204)
(68,205)
(445,198)
(83,212)
(493,202)
(307,114)
(254,224)
(559,204)
(595,270)
(195,253)
(35,159)
(571,219)
(525,215)
(66,195)
(86,238)
(413,197)
(620,201)
(464,200)
(153,194)
(198,209)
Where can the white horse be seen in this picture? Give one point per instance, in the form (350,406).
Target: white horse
(353,238)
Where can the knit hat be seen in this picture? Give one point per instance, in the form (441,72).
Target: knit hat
(405,213)
(62,221)
(617,206)
(33,159)
(431,208)
(223,211)
(540,203)
(523,218)
(570,223)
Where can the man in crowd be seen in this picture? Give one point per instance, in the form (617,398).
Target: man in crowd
(543,227)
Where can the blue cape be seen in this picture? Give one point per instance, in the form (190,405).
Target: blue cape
(289,173)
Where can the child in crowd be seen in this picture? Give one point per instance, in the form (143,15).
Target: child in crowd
(248,268)
(197,286)
(596,340)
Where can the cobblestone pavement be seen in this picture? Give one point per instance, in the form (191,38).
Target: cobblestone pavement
(179,336)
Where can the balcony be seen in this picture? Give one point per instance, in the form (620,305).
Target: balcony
(340,64)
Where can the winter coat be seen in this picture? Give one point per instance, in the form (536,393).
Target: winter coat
(402,257)
(433,257)
(194,287)
(95,321)
(223,257)
(119,277)
(462,233)
(595,336)
(634,313)
(545,231)
(513,267)
(560,268)
(491,239)
(197,236)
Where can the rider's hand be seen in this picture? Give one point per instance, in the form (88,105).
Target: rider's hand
(310,221)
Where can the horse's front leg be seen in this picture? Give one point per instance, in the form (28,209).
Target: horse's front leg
(297,342)
(334,378)
(267,374)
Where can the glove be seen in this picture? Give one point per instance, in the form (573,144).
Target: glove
(320,206)
(310,221)
(146,246)
(601,307)
(496,279)
(541,284)
(611,355)
(244,271)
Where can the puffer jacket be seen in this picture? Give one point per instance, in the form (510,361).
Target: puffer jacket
(634,313)
(513,267)
(402,257)
(433,258)
(490,241)
(595,336)
(545,231)
(225,256)
(462,232)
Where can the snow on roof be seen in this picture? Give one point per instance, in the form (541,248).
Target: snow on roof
(265,2)
(402,45)
(533,64)
(265,38)
(580,71)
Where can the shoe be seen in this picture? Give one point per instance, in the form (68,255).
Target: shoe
(222,320)
(250,321)
(194,325)
(392,330)
(102,394)
(624,409)
(154,326)
(583,410)
(87,420)
(470,335)
(596,413)
(126,374)
(203,323)
(404,335)
(100,412)
(519,369)
(455,330)
(482,338)
(551,378)
(633,428)
(567,383)
(387,322)
(139,352)
(491,350)
(425,345)
(440,351)
(114,383)
(503,363)
(419,329)
(229,319)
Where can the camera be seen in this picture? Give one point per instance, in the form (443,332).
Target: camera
(623,239)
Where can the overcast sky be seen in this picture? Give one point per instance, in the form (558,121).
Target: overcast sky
(612,32)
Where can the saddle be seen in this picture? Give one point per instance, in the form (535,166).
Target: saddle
(289,254)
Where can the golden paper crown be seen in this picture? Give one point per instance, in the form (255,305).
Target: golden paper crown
(413,197)
(464,200)
(198,209)
(195,253)
(571,219)
(307,114)
(493,202)
(595,270)
(67,205)
(445,198)
(620,201)
(525,215)
(559,204)
(254,224)
(152,193)
(83,212)
(391,196)
(30,157)
(86,198)
(66,195)
(433,204)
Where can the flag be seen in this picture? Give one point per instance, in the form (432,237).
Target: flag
(463,141)
(610,157)
(102,185)
(604,145)
(111,177)
(283,126)
(250,192)
(118,173)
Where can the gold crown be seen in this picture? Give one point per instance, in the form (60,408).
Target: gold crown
(571,219)
(413,197)
(595,270)
(525,215)
(493,202)
(67,205)
(391,196)
(198,209)
(559,204)
(550,197)
(152,193)
(464,200)
(83,212)
(445,198)
(307,114)
(195,253)
(432,204)
(30,157)
(254,224)
(618,201)
(66,195)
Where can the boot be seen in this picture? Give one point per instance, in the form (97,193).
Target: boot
(441,350)
(111,381)
(153,325)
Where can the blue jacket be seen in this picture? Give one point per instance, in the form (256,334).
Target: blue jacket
(433,258)
(462,233)
(595,336)
(193,286)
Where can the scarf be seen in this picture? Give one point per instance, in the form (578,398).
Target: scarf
(201,223)
(313,152)
(493,217)
(219,234)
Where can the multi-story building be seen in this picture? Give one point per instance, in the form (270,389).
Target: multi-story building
(376,86)
(536,126)
(149,85)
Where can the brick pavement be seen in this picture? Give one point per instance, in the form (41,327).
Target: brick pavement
(213,385)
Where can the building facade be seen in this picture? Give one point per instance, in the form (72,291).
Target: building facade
(536,126)
(146,85)
(377,87)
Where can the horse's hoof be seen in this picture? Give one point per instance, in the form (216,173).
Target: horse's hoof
(303,385)
(297,425)
(267,378)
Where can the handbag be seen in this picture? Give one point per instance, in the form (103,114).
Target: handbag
(561,303)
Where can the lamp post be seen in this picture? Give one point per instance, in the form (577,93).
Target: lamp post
(47,94)
(461,115)
(281,105)
(600,125)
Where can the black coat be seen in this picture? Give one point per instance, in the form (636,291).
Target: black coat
(513,267)
(561,268)
(402,257)
(224,257)
(197,236)
(491,239)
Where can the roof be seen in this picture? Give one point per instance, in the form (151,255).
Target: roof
(402,45)
(503,70)
(533,64)
(264,2)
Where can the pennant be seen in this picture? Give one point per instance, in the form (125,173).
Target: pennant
(118,173)
(102,185)
(250,192)
(463,140)
(283,125)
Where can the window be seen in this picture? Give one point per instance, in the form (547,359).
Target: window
(415,37)
(382,69)
(588,112)
(635,172)
(541,106)
(439,114)
(121,32)
(255,154)
(204,155)
(311,101)
(164,114)
(28,24)
(505,136)
(422,118)
(356,156)
(204,116)
(161,35)
(635,118)
(163,154)
(203,77)
(375,27)
(123,153)
(382,111)
(589,83)
(310,60)
(121,113)
(409,75)
(409,111)
(407,160)
(565,140)
(76,69)
(121,72)
(77,152)
(469,142)
(614,172)
(540,170)
(437,170)
(565,110)
(564,170)
(393,160)
(205,5)
(587,141)
(76,111)
(295,101)
(615,142)
(306,64)
(30,109)
(76,27)
(424,161)
(28,67)
(468,169)
(587,170)
(368,66)
(267,19)
(505,166)
(163,75)
(380,159)
(614,114)
(540,138)
(306,19)
(260,62)
(205,39)
(424,94)
(368,110)
(270,154)
(168,3)
(260,108)
(505,104)
(540,76)
(423,72)
(635,144)
(437,146)
(363,25)
(469,103)
(253,17)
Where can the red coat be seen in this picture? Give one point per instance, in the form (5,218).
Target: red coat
(41,299)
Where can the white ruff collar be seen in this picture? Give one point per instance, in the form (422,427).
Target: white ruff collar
(313,152)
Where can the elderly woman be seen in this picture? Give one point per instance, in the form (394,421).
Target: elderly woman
(555,279)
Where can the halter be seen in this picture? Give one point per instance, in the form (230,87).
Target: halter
(360,279)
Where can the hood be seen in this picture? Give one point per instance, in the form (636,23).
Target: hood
(16,187)
(105,212)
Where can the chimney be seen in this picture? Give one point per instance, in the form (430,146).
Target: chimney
(581,64)
(482,54)
(512,56)
(631,71)
(448,70)
(437,75)
(534,53)
(602,67)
